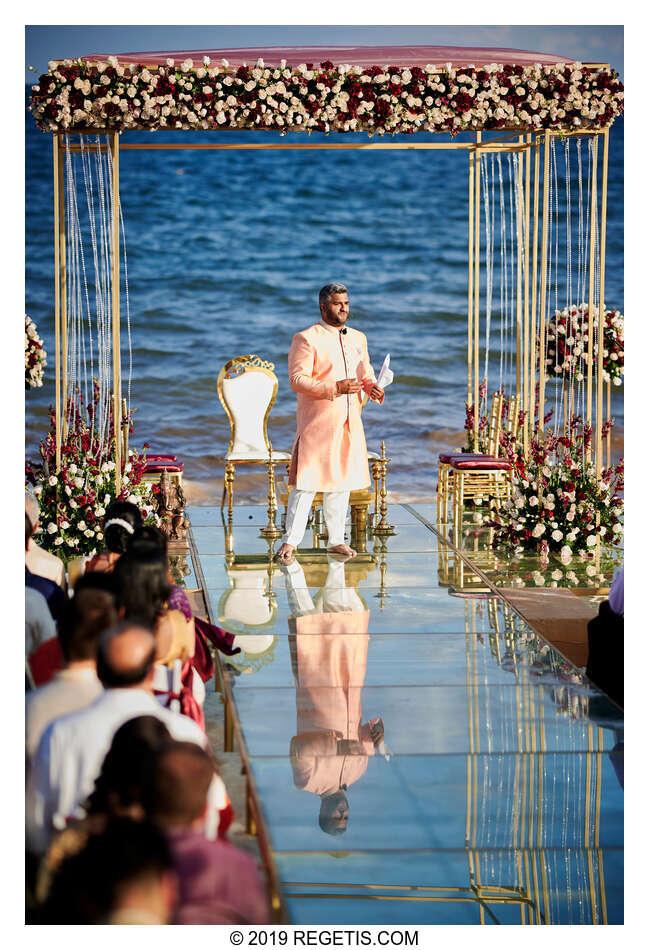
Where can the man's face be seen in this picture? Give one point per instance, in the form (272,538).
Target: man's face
(335,310)
(334,813)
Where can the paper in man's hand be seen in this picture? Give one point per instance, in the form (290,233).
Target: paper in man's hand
(386,375)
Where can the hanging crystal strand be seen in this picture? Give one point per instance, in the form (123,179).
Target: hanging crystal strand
(489,273)
(70,368)
(503,274)
(86,152)
(126,293)
(512,282)
(87,350)
(104,264)
(568,173)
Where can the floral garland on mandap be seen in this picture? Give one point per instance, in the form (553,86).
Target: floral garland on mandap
(35,356)
(557,497)
(80,95)
(567,344)
(74,502)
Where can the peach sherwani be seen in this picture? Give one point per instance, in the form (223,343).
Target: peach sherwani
(329,453)
(330,674)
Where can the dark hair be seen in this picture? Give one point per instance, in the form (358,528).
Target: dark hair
(330,822)
(89,885)
(82,622)
(127,764)
(28,528)
(141,576)
(97,580)
(112,677)
(116,536)
(176,790)
(148,534)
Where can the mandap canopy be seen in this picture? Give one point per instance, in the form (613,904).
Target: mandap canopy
(546,108)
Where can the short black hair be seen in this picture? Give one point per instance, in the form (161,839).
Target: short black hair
(112,677)
(88,885)
(144,588)
(98,580)
(176,791)
(83,620)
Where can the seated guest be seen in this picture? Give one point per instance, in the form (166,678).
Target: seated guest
(39,623)
(144,594)
(72,749)
(51,592)
(38,560)
(218,884)
(82,623)
(605,665)
(205,633)
(117,792)
(122,519)
(122,875)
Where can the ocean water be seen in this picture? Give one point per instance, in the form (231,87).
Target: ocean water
(227,251)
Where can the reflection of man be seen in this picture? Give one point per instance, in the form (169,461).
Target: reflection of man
(329,369)
(329,657)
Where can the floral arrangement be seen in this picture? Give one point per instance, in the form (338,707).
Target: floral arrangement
(78,94)
(558,497)
(35,356)
(567,344)
(74,502)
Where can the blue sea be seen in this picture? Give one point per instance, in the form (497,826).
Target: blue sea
(226,253)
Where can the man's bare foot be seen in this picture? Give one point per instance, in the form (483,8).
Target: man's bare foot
(343,550)
(285,554)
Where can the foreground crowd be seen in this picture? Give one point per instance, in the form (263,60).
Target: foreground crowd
(126,815)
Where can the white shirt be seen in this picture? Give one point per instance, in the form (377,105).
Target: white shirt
(69,691)
(39,624)
(72,751)
(44,564)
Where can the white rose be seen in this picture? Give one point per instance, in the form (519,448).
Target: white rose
(566,552)
(591,540)
(51,528)
(51,480)
(533,501)
(132,499)
(591,570)
(557,535)
(78,482)
(72,469)
(73,503)
(65,524)
(88,533)
(82,525)
(58,541)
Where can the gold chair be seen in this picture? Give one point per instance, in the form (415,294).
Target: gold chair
(485,476)
(247,387)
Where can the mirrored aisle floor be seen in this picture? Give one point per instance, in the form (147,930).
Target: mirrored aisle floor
(418,753)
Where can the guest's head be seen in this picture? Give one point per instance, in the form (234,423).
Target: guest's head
(176,794)
(125,657)
(98,580)
(32,509)
(128,763)
(124,870)
(334,304)
(121,521)
(147,535)
(82,622)
(141,576)
(334,812)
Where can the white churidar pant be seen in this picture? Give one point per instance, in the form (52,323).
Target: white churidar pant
(334,507)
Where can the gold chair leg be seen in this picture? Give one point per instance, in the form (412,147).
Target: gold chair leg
(230,477)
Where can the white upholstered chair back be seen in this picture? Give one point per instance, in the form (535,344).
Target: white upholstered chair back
(247,388)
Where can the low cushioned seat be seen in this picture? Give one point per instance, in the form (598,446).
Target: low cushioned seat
(161,466)
(242,456)
(445,457)
(161,458)
(468,463)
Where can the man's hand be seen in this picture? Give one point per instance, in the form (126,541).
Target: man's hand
(347,386)
(377,731)
(376,394)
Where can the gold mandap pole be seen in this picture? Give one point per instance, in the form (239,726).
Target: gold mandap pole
(544,278)
(535,264)
(600,334)
(476,301)
(591,292)
(469,351)
(57,302)
(117,381)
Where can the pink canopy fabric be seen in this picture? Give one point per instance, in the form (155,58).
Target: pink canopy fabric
(339,55)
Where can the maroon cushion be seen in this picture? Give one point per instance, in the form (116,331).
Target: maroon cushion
(156,467)
(476,463)
(162,458)
(445,457)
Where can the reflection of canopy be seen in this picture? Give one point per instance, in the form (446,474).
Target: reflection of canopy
(358,55)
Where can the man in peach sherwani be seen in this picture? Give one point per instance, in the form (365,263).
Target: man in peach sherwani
(329,368)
